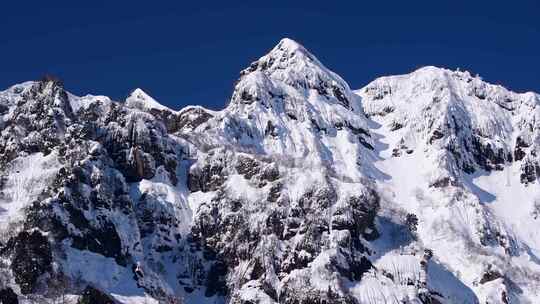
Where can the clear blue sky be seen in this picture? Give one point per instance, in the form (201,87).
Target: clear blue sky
(192,53)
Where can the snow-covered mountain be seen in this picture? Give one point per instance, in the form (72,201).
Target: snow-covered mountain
(419,188)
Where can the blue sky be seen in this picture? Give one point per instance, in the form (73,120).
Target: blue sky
(192,53)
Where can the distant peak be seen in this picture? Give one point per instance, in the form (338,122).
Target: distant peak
(431,69)
(289,45)
(290,66)
(52,79)
(138,91)
(51,84)
(434,71)
(431,73)
(288,49)
(141,100)
(287,55)
(140,94)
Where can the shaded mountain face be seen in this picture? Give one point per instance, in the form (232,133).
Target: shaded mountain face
(420,188)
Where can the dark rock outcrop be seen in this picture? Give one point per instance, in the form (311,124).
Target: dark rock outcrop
(8,296)
(92,295)
(31,258)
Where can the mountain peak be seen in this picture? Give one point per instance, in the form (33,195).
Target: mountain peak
(290,45)
(141,100)
(290,65)
(438,72)
(431,69)
(286,55)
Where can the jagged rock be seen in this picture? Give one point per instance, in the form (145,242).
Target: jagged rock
(489,276)
(248,167)
(357,215)
(307,296)
(137,165)
(209,177)
(31,258)
(215,282)
(485,157)
(92,295)
(270,129)
(530,171)
(8,296)
(443,182)
(519,154)
(188,120)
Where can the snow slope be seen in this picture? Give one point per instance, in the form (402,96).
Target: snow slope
(475,212)
(23,182)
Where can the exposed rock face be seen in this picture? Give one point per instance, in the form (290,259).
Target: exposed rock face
(92,295)
(36,126)
(242,231)
(299,191)
(189,119)
(85,207)
(7,296)
(31,258)
(209,174)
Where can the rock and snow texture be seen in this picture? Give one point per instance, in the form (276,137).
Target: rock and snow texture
(420,188)
(463,156)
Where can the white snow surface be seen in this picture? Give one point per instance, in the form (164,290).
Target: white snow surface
(24,181)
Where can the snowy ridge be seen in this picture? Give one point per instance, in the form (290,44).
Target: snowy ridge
(418,188)
(453,146)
